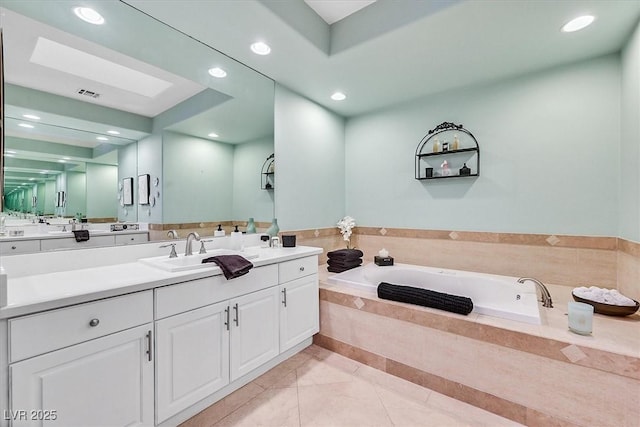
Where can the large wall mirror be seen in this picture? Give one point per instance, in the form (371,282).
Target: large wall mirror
(87,107)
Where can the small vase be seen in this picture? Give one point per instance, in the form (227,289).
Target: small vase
(273,230)
(251,227)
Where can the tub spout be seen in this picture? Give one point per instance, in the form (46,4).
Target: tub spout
(546,296)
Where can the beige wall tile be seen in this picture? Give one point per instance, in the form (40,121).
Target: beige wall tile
(629,275)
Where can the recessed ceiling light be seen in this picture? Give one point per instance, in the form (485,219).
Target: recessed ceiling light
(338,96)
(113,132)
(88,15)
(261,48)
(213,135)
(578,23)
(31,116)
(217,72)
(102,138)
(25,125)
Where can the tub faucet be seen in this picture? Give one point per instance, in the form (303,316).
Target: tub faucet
(188,249)
(546,296)
(172,234)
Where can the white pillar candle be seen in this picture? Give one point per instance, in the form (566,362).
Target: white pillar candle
(580,318)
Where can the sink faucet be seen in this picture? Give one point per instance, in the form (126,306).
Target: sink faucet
(546,296)
(188,249)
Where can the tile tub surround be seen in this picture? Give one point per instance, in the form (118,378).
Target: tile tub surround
(532,374)
(560,259)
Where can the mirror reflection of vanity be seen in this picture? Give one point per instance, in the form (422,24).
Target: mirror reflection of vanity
(134,100)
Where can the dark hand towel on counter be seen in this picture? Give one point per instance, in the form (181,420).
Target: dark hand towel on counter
(81,235)
(345,254)
(232,266)
(425,297)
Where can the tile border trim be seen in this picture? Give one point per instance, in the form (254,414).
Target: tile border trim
(618,364)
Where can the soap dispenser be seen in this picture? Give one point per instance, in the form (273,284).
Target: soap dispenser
(236,239)
(219,232)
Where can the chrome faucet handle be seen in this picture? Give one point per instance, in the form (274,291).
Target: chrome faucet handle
(203,250)
(173,253)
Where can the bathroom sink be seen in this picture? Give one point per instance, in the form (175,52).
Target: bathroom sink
(191,262)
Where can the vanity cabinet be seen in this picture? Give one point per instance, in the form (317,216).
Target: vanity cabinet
(254,331)
(19,247)
(193,357)
(299,299)
(66,363)
(70,387)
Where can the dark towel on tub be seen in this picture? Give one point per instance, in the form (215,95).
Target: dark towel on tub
(348,264)
(232,266)
(345,254)
(81,235)
(425,297)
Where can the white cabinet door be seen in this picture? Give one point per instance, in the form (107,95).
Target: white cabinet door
(192,357)
(104,382)
(299,305)
(254,330)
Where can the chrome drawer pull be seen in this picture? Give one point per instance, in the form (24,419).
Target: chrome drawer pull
(236,320)
(284,296)
(149,346)
(94,322)
(226,323)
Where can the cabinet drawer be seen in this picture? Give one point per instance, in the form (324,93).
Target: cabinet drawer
(40,333)
(294,269)
(186,296)
(19,247)
(70,243)
(129,239)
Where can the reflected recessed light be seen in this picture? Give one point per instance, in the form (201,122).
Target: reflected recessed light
(261,48)
(25,125)
(67,158)
(578,23)
(32,179)
(338,96)
(31,116)
(9,152)
(9,155)
(44,171)
(213,135)
(217,72)
(102,138)
(113,132)
(88,15)
(62,161)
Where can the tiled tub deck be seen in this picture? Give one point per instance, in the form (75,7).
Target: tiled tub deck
(533,374)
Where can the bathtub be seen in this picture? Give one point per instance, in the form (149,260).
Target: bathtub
(492,295)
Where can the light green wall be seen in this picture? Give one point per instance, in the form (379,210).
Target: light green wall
(198,176)
(249,200)
(149,162)
(76,193)
(127,168)
(102,188)
(549,156)
(49,197)
(630,141)
(309,146)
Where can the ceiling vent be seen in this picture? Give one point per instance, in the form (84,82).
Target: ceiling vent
(88,93)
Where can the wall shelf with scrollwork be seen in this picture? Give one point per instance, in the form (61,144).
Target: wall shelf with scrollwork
(267,181)
(447,151)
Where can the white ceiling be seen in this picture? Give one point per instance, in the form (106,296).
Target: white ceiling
(393,51)
(335,10)
(31,62)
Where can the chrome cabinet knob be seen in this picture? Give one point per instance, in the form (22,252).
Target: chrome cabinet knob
(94,322)
(301,268)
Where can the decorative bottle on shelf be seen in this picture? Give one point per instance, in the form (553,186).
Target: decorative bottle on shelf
(436,146)
(456,143)
(251,226)
(464,170)
(445,171)
(273,230)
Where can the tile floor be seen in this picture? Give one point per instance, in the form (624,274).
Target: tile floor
(317,387)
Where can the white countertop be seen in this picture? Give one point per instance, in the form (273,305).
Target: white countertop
(31,293)
(33,235)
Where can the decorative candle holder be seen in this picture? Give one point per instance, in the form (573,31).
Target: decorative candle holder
(580,318)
